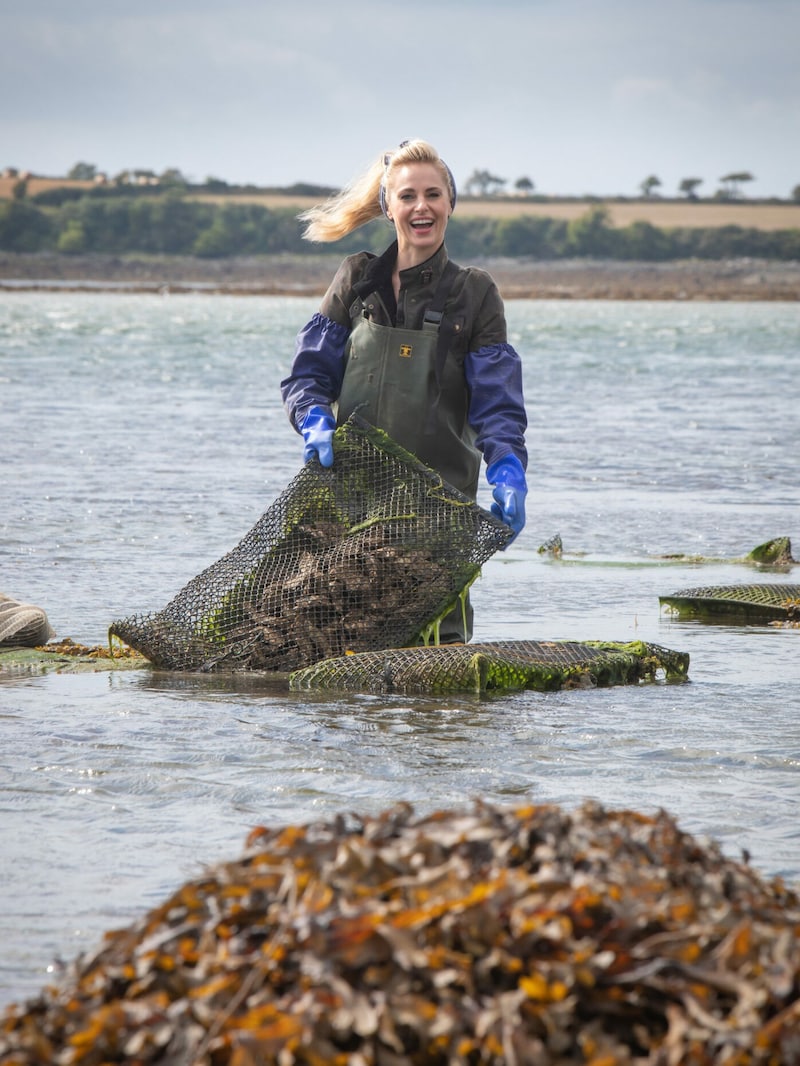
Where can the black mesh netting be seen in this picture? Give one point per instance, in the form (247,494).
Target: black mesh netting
(499,666)
(367,554)
(750,603)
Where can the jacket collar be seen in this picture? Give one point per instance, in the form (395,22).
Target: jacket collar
(379,270)
(424,273)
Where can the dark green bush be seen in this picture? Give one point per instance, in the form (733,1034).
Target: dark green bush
(24,228)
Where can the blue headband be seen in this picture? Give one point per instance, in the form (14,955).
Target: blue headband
(382,192)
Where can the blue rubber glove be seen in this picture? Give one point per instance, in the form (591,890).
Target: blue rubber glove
(317,429)
(509,492)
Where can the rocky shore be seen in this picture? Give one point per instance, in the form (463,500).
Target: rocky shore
(309,275)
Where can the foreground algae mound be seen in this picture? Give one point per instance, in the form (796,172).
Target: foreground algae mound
(485,935)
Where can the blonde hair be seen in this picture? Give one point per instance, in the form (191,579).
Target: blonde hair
(362,200)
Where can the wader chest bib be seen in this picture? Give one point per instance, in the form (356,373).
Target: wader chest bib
(393,381)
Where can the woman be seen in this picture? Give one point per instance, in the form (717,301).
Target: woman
(414,342)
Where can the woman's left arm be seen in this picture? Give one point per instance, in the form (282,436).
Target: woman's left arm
(493,372)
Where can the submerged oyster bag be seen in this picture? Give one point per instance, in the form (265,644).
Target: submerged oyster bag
(367,554)
(743,603)
(504,666)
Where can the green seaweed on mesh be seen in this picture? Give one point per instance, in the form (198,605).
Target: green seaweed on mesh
(653,660)
(430,633)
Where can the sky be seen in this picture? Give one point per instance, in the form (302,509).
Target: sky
(582,97)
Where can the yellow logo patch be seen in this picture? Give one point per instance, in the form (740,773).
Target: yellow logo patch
(405,351)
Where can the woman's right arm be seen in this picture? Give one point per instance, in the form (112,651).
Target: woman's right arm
(318,366)
(317,370)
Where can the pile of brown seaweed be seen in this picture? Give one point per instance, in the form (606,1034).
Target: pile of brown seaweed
(69,647)
(489,935)
(67,656)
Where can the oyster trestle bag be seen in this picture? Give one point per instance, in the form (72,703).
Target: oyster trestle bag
(367,554)
(745,603)
(503,666)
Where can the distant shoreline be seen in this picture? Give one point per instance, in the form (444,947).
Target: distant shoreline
(310,275)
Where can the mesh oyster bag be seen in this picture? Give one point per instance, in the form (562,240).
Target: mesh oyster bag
(501,666)
(746,603)
(369,553)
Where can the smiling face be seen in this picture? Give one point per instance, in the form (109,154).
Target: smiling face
(418,202)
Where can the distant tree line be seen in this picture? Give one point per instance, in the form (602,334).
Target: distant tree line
(731,188)
(171,224)
(480,183)
(483,183)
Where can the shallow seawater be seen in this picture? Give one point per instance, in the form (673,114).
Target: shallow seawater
(143,436)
